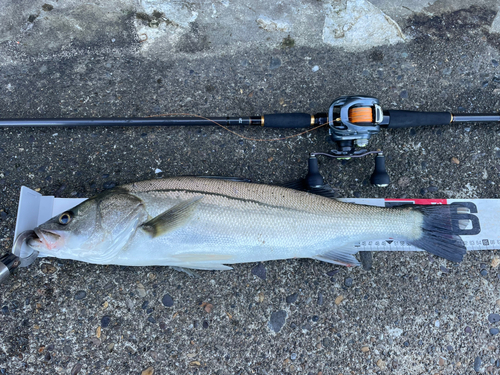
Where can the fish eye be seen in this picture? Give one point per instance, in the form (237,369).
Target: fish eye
(65,218)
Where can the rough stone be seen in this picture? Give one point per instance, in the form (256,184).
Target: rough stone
(494,318)
(167,300)
(477,364)
(277,320)
(346,26)
(292,298)
(260,271)
(81,294)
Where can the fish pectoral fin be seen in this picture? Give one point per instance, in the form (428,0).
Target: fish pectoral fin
(342,256)
(171,219)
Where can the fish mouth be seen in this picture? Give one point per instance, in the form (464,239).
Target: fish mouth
(35,242)
(45,238)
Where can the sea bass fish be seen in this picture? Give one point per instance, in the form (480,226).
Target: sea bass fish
(204,223)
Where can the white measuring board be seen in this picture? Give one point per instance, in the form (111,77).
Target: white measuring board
(478,224)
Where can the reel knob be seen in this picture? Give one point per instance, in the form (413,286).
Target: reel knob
(380,177)
(313,178)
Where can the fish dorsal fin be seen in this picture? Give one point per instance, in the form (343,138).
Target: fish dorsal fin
(235,179)
(324,191)
(171,219)
(343,256)
(299,184)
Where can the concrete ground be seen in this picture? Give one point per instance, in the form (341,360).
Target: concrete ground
(411,314)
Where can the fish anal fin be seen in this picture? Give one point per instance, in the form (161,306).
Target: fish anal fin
(191,273)
(344,257)
(203,266)
(171,219)
(202,261)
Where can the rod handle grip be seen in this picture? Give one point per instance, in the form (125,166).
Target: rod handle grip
(409,119)
(287,120)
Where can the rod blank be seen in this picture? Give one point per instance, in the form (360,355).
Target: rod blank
(141,121)
(475,117)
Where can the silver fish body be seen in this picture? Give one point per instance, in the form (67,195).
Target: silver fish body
(206,223)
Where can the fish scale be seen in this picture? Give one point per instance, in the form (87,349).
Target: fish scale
(208,223)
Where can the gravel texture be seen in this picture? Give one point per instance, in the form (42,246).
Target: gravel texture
(410,314)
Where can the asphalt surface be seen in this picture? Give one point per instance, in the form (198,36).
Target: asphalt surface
(411,314)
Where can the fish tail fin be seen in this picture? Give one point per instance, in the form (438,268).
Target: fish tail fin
(437,233)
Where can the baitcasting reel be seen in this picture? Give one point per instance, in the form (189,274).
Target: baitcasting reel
(352,121)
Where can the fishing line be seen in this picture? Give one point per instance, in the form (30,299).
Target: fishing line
(237,134)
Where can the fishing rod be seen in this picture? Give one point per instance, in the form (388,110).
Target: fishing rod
(352,121)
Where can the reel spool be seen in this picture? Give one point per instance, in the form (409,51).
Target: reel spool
(360,115)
